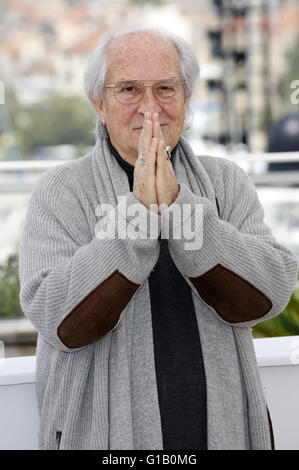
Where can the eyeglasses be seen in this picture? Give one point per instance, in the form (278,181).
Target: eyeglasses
(165,90)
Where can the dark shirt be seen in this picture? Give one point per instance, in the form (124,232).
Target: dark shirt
(179,364)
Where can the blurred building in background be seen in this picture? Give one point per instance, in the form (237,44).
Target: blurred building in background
(241,45)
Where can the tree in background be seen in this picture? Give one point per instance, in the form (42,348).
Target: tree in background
(10,289)
(285,324)
(57,120)
(292,74)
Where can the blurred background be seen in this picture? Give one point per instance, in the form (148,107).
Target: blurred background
(245,108)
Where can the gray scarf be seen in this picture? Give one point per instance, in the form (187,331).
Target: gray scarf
(236,408)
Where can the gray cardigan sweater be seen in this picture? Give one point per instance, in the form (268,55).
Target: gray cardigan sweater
(88,299)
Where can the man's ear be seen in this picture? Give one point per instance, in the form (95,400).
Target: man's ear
(100,108)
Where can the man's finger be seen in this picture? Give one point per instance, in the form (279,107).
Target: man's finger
(157,128)
(162,157)
(157,131)
(145,138)
(148,162)
(152,156)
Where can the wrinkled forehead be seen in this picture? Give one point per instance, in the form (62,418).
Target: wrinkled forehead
(141,56)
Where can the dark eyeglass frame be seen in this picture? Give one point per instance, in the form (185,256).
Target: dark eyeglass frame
(117,84)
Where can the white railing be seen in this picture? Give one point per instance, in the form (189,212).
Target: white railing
(256,164)
(278,360)
(8,165)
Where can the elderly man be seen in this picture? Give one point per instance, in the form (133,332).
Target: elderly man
(144,341)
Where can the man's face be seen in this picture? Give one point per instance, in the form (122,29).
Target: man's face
(141,57)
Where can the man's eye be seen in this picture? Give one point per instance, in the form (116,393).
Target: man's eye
(128,89)
(165,89)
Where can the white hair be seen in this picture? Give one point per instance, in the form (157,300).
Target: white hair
(98,66)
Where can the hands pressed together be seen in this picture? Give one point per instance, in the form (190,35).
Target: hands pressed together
(155,181)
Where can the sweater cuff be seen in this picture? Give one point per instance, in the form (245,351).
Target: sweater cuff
(183,219)
(139,218)
(130,219)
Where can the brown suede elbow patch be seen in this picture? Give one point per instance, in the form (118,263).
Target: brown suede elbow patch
(234,299)
(98,313)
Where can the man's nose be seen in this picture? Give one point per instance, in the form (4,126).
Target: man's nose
(149,102)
